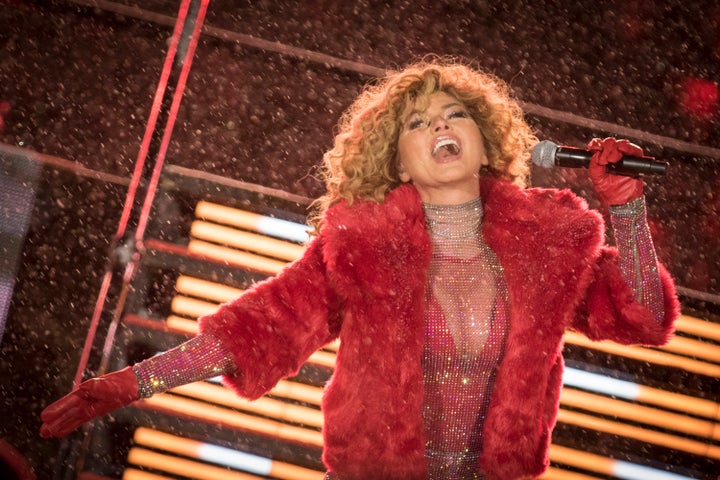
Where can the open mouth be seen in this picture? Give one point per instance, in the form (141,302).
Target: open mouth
(445,147)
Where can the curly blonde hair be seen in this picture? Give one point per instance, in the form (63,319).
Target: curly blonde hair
(362,163)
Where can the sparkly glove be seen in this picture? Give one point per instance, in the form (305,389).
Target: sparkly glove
(197,359)
(636,252)
(613,189)
(92,398)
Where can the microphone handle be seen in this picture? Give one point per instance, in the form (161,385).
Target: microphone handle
(572,157)
(633,166)
(630,166)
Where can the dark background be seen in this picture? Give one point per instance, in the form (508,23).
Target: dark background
(77,80)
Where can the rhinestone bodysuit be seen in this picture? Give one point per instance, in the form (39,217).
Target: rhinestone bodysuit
(466,326)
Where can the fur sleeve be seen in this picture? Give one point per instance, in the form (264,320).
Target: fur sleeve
(610,312)
(273,328)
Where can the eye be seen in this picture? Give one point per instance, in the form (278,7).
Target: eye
(459,113)
(414,123)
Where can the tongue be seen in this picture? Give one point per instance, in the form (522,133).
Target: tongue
(445,151)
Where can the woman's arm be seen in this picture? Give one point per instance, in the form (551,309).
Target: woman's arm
(632,298)
(197,359)
(637,258)
(254,341)
(275,326)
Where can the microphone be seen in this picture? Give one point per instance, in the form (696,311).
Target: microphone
(546,154)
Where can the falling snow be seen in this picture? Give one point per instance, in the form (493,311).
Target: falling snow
(77,85)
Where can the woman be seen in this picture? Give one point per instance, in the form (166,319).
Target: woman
(448,284)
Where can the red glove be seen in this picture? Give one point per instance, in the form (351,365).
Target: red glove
(613,189)
(92,398)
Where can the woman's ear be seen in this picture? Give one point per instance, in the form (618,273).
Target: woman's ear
(484,161)
(402,174)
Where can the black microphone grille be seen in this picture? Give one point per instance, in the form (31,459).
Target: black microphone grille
(543,154)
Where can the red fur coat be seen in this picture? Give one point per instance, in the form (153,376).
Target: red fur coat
(363,279)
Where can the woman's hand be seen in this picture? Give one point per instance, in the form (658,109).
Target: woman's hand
(92,398)
(613,189)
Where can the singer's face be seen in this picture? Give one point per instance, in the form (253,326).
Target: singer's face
(441,150)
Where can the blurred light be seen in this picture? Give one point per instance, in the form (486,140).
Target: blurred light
(4,110)
(699,98)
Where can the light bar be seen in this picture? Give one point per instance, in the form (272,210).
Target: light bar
(262,244)
(608,466)
(182,325)
(236,257)
(595,382)
(640,413)
(208,290)
(295,232)
(698,327)
(184,407)
(204,451)
(644,435)
(553,473)
(298,391)
(290,390)
(693,348)
(227,457)
(631,471)
(192,307)
(644,354)
(264,406)
(600,383)
(133,474)
(183,466)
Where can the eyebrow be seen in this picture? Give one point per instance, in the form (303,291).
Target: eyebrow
(444,107)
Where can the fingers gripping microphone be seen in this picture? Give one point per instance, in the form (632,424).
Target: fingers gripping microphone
(547,154)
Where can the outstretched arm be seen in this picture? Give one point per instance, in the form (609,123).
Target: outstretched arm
(197,359)
(255,340)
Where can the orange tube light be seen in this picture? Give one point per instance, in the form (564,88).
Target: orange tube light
(212,453)
(183,407)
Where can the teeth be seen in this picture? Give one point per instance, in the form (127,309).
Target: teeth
(452,145)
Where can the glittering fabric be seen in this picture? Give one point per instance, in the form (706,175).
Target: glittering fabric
(204,356)
(466,326)
(637,257)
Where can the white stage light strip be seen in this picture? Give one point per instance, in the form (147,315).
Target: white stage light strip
(234,459)
(223,456)
(631,471)
(285,229)
(601,384)
(641,393)
(606,466)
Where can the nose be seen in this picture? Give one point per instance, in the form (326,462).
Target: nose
(439,124)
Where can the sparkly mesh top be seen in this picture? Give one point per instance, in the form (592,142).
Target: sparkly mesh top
(466,324)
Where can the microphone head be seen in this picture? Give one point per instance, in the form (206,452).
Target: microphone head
(543,154)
